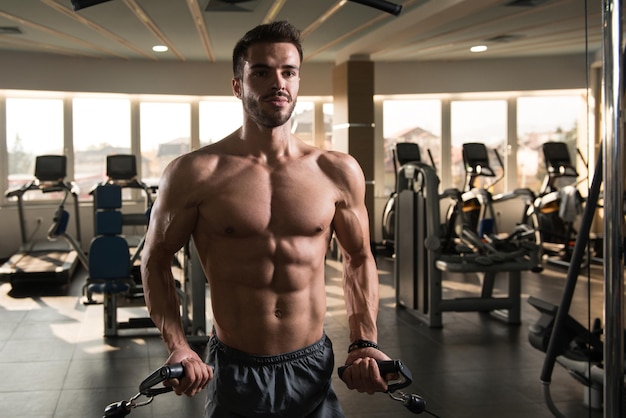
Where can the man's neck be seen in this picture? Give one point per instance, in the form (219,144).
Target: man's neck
(268,143)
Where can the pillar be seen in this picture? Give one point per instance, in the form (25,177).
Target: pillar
(353,119)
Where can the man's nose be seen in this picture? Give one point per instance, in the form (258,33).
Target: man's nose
(278,82)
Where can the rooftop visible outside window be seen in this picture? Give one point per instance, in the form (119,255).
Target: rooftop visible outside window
(544,119)
(101,128)
(165,134)
(417,121)
(482,121)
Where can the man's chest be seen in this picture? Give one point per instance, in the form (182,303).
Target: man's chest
(293,201)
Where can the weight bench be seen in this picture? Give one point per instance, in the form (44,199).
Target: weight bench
(486,301)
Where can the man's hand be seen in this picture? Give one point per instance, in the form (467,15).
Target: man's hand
(362,373)
(196,376)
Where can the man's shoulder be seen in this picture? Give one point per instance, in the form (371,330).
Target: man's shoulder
(338,161)
(342,169)
(192,167)
(200,156)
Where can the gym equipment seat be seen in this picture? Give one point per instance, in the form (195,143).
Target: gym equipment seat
(110,265)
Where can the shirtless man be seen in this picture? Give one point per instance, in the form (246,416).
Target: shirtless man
(261,206)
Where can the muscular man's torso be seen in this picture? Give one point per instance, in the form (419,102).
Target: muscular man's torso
(262,231)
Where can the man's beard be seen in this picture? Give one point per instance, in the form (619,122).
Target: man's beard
(271,119)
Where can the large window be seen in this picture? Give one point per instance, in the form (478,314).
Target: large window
(101,128)
(34,127)
(328,109)
(417,121)
(302,121)
(219,118)
(482,121)
(165,135)
(540,120)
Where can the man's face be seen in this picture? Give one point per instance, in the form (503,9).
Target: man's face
(271,79)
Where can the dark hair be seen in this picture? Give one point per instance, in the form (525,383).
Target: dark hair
(281,31)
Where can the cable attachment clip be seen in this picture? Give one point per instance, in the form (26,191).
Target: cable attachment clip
(122,408)
(412,402)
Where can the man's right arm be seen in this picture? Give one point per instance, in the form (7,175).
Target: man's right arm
(172,219)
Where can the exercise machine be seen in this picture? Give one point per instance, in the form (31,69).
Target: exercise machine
(109,267)
(421,260)
(478,201)
(564,340)
(45,260)
(580,350)
(114,257)
(402,153)
(479,211)
(121,170)
(110,264)
(558,204)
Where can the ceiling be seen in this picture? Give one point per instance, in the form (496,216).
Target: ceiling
(333,30)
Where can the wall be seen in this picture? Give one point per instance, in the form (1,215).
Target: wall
(489,75)
(23,71)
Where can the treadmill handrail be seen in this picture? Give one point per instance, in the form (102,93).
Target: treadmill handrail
(45,187)
(20,190)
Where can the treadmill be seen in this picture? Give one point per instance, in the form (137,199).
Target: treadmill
(43,260)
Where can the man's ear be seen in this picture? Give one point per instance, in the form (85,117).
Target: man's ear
(236,85)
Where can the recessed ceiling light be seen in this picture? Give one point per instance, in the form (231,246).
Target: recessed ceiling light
(478,48)
(160,48)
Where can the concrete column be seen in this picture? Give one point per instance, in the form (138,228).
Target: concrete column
(353,119)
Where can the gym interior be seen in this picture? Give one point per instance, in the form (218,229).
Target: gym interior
(500,293)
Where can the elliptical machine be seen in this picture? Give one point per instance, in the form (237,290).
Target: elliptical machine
(477,201)
(472,214)
(558,206)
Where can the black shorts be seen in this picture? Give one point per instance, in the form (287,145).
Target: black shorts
(296,384)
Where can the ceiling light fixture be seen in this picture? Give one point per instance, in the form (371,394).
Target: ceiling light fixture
(478,48)
(160,48)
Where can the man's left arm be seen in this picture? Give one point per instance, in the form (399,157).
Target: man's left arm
(360,284)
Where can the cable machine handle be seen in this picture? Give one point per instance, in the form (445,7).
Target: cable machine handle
(389,367)
(171,371)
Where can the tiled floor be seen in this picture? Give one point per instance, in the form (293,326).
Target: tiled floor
(55,362)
